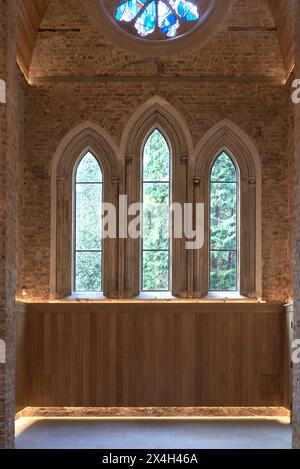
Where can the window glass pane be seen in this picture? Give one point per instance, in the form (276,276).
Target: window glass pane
(88,216)
(156,216)
(146,22)
(186,9)
(88,272)
(223,271)
(224,225)
(167,21)
(89,170)
(156,158)
(88,226)
(127,11)
(155,271)
(223,222)
(224,169)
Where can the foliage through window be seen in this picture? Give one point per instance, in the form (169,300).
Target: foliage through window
(156,224)
(88,226)
(223,225)
(160,18)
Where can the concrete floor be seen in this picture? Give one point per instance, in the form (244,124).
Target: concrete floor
(95,433)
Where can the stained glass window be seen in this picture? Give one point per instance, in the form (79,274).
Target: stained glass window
(88,229)
(224,225)
(156,203)
(164,17)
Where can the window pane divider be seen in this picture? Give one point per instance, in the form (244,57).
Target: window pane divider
(156,182)
(88,250)
(90,183)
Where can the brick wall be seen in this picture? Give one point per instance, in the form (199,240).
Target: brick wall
(296,194)
(244,43)
(259,109)
(243,52)
(243,57)
(8,196)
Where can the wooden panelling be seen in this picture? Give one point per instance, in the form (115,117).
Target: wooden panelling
(284,16)
(21,372)
(30,15)
(288,350)
(154,354)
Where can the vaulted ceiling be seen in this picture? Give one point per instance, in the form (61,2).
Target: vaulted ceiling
(30,16)
(31,13)
(283,12)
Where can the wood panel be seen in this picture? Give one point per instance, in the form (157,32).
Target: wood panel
(30,15)
(21,372)
(121,354)
(288,350)
(284,16)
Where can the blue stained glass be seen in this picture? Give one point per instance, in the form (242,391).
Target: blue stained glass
(167,21)
(185,9)
(146,22)
(127,11)
(150,15)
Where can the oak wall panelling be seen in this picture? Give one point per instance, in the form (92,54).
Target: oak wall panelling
(153,354)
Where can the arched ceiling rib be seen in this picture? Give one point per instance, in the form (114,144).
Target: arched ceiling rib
(31,13)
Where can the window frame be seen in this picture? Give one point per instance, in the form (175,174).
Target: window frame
(198,36)
(85,138)
(166,119)
(190,170)
(229,138)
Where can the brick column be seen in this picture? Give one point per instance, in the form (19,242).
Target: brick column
(296,372)
(8,194)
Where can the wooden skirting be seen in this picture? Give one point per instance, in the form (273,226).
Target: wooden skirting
(157,355)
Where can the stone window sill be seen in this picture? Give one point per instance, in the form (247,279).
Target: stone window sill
(160,296)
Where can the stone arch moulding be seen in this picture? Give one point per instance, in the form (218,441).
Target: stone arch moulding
(156,113)
(227,136)
(81,139)
(158,48)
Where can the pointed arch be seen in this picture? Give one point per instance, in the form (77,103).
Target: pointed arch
(156,113)
(159,110)
(85,138)
(229,138)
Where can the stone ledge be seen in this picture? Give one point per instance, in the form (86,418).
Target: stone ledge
(154,412)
